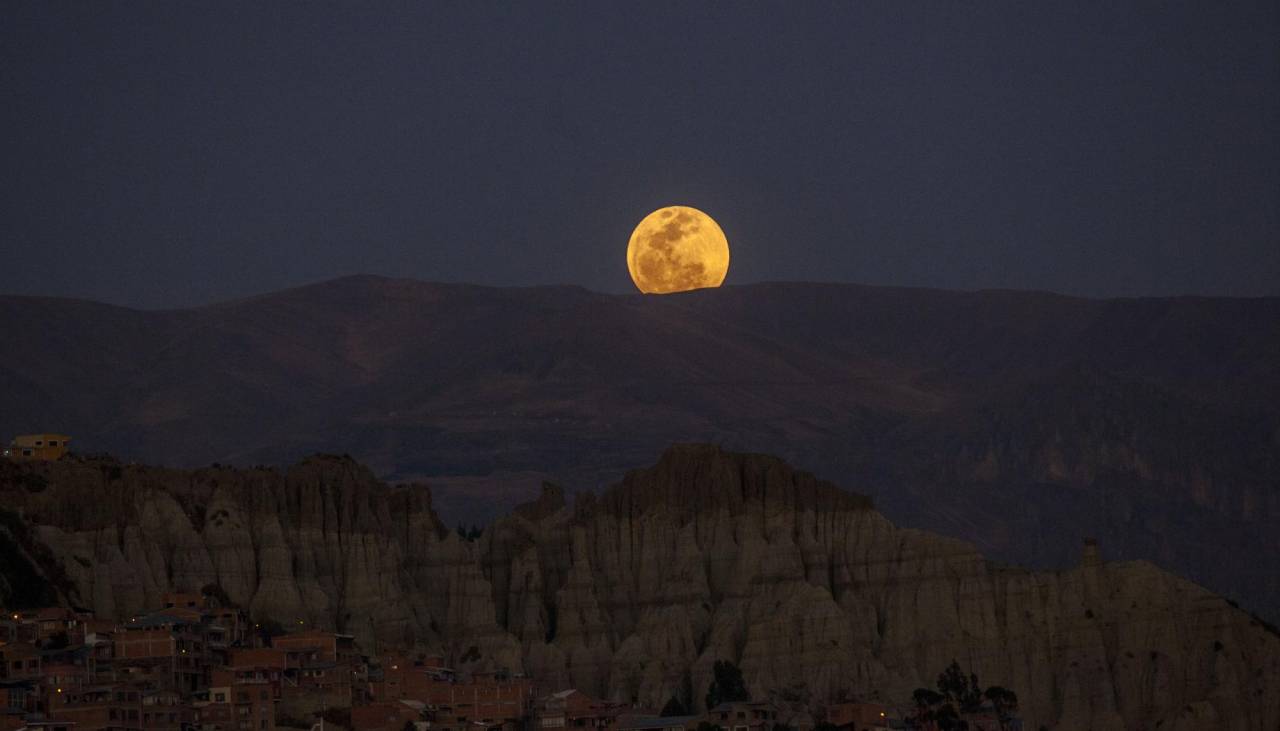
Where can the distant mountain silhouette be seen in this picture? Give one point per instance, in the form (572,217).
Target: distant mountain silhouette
(1018,420)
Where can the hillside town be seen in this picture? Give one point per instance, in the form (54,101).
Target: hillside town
(197,664)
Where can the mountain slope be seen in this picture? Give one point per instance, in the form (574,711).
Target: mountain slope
(1019,421)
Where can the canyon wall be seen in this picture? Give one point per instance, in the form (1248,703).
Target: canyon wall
(636,592)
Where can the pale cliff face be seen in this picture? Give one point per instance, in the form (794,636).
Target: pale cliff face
(635,594)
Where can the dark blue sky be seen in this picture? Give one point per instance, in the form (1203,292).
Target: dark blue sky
(165,154)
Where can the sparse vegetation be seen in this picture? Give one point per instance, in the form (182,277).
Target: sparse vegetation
(960,689)
(1270,628)
(268,628)
(960,694)
(674,708)
(32,482)
(728,686)
(218,593)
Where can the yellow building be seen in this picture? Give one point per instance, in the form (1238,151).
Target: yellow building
(38,446)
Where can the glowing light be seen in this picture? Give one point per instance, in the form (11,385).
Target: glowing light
(675,249)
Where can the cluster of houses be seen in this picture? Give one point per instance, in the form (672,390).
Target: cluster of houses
(191,664)
(194,665)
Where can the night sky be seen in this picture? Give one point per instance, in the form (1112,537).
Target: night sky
(169,154)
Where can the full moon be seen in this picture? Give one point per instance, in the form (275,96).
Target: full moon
(675,249)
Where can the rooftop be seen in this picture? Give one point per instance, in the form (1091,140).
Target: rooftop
(633,723)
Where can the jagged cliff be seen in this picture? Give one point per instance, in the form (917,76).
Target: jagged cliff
(635,593)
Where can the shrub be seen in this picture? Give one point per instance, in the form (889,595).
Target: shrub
(728,686)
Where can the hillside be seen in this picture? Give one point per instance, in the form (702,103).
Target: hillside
(1019,421)
(635,593)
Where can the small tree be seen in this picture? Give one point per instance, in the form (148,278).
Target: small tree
(268,628)
(216,591)
(925,698)
(964,691)
(947,718)
(728,686)
(959,694)
(674,708)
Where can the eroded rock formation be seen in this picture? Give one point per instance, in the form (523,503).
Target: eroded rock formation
(635,593)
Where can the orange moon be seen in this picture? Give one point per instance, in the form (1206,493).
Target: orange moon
(676,249)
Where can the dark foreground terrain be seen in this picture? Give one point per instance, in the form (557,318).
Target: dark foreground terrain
(1018,421)
(634,593)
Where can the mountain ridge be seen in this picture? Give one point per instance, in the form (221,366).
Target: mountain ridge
(925,399)
(384,280)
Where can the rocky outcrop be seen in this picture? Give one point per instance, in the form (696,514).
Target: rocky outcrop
(635,593)
(1153,423)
